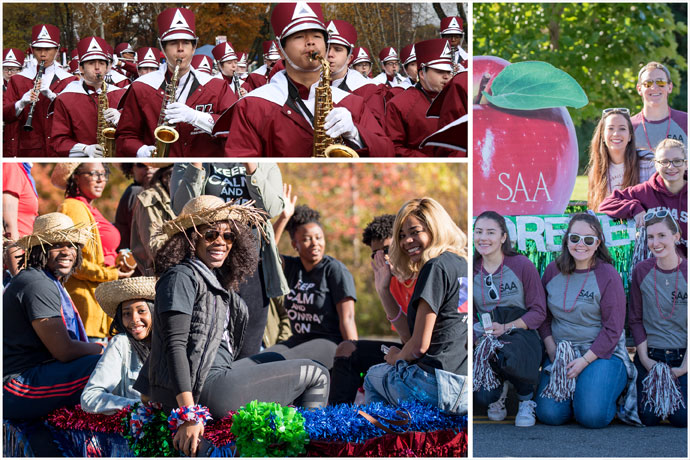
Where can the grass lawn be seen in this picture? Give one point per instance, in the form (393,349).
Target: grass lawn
(580,190)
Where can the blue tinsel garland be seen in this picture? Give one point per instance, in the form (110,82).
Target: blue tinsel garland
(343,423)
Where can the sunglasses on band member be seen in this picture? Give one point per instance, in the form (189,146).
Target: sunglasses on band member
(384,249)
(650,83)
(489,283)
(589,240)
(211,235)
(624,110)
(661,213)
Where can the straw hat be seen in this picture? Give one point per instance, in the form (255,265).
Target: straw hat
(112,293)
(61,173)
(55,227)
(206,209)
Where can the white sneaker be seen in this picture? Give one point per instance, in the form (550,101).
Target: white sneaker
(497,410)
(525,415)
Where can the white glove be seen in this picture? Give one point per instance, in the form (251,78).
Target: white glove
(179,112)
(339,123)
(145,151)
(112,115)
(94,151)
(47,92)
(25,100)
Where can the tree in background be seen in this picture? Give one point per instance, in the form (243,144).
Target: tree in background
(601,45)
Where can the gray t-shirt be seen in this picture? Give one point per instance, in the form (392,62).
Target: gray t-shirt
(587,306)
(515,283)
(648,133)
(654,316)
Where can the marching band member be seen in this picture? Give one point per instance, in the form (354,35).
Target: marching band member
(362,61)
(242,65)
(203,64)
(198,97)
(74,131)
(126,61)
(390,63)
(260,76)
(12,62)
(276,119)
(45,41)
(406,121)
(409,63)
(147,60)
(226,59)
(451,30)
(342,37)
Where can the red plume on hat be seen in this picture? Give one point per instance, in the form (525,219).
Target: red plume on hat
(342,33)
(224,52)
(176,24)
(288,18)
(451,25)
(45,36)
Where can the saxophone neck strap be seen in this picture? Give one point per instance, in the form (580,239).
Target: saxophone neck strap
(296,99)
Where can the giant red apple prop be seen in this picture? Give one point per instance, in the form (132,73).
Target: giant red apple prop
(525,148)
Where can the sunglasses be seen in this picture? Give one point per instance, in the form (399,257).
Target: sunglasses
(661,213)
(678,162)
(384,249)
(96,175)
(624,110)
(650,83)
(212,235)
(589,240)
(489,283)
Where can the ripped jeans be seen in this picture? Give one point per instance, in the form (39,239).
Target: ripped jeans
(389,384)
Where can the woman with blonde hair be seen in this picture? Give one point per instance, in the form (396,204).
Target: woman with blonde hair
(432,364)
(613,159)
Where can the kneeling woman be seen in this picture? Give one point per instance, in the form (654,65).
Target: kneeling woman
(426,240)
(658,313)
(129,302)
(586,308)
(200,322)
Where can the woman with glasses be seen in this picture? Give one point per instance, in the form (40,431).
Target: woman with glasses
(666,189)
(614,163)
(431,366)
(200,323)
(658,313)
(508,288)
(83,183)
(583,331)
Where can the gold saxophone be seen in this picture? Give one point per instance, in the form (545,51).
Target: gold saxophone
(324,145)
(105,133)
(164,133)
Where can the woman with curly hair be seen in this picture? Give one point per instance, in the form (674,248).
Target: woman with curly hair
(199,324)
(321,301)
(432,365)
(614,163)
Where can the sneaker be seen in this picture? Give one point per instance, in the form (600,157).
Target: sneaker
(525,415)
(497,410)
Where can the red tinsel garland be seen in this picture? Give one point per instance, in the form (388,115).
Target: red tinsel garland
(444,443)
(74,418)
(218,432)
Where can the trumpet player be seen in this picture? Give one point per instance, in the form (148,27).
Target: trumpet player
(198,98)
(342,37)
(276,120)
(27,88)
(451,30)
(226,59)
(75,110)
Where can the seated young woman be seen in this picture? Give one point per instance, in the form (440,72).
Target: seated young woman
(434,352)
(658,313)
(129,302)
(508,288)
(200,320)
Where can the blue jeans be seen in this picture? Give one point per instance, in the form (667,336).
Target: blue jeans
(594,403)
(388,384)
(483,398)
(673,358)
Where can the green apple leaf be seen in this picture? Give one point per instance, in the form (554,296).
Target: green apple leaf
(535,85)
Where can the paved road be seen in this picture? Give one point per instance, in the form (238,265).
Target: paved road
(503,439)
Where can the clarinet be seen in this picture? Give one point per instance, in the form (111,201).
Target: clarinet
(28,126)
(236,82)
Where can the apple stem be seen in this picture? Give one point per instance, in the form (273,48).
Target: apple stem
(482,85)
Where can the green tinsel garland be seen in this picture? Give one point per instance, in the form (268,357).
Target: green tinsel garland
(155,440)
(266,429)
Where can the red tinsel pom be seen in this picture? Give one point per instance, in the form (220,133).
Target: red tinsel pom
(74,418)
(218,432)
